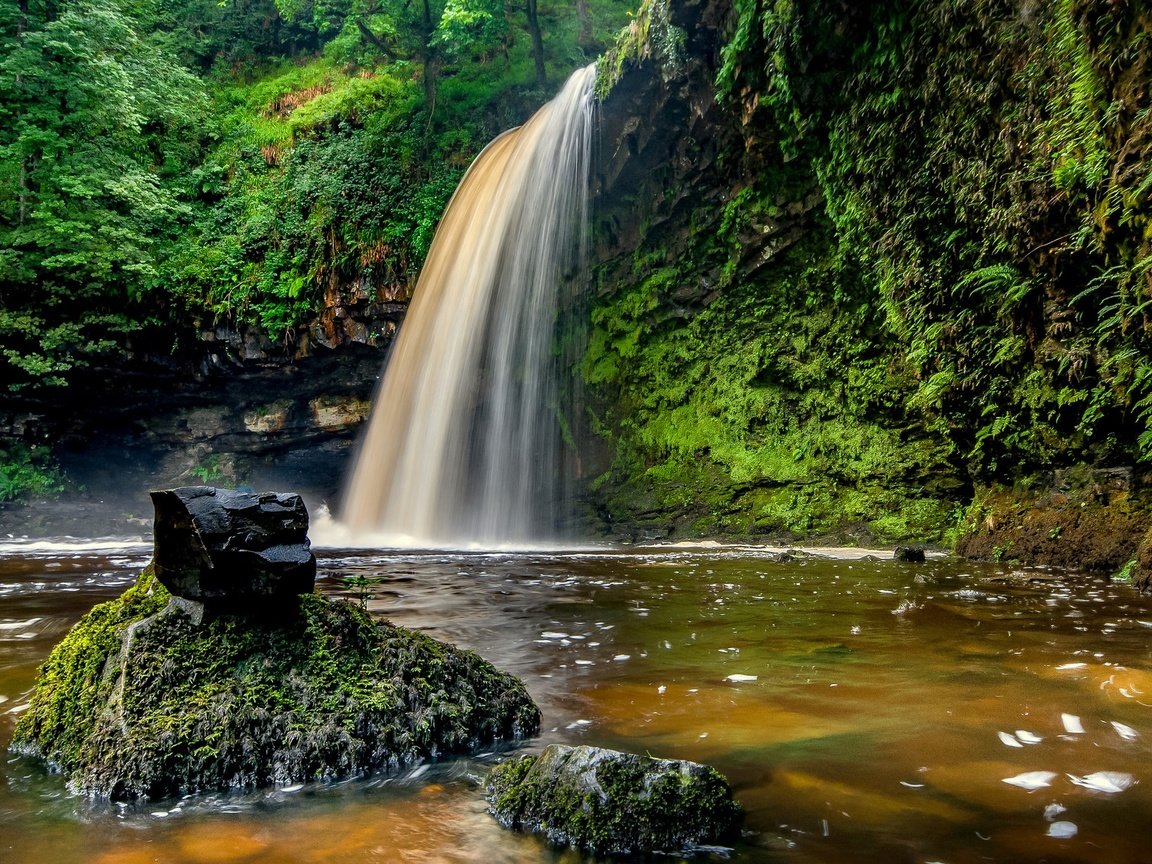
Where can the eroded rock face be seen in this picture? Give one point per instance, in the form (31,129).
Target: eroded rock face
(608,802)
(225,547)
(1083,518)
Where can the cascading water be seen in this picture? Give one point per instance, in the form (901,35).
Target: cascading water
(464,446)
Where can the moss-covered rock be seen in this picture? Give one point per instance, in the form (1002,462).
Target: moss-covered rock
(608,802)
(143,700)
(1081,517)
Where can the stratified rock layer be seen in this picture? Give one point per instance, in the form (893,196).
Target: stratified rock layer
(223,546)
(141,701)
(608,802)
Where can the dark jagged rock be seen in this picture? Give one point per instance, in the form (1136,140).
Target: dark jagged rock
(142,699)
(221,546)
(614,803)
(908,553)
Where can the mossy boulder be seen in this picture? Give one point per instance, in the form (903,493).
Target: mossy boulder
(142,700)
(612,803)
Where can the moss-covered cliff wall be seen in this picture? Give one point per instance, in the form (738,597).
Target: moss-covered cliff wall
(739,367)
(898,252)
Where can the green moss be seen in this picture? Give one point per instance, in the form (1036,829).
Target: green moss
(980,167)
(651,35)
(775,407)
(607,802)
(73,681)
(139,700)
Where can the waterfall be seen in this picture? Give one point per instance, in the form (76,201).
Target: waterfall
(465,443)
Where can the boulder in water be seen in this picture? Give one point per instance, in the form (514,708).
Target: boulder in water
(141,701)
(612,803)
(220,546)
(908,553)
(148,697)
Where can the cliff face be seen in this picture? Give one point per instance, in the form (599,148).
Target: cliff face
(268,421)
(862,266)
(739,377)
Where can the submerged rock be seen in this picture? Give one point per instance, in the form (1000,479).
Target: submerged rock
(607,802)
(141,701)
(222,546)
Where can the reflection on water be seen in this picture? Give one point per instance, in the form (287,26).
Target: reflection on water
(865,710)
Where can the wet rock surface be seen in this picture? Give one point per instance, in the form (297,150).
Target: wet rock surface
(908,553)
(146,699)
(222,546)
(1082,518)
(271,423)
(608,802)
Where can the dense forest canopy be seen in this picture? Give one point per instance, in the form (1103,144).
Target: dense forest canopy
(167,162)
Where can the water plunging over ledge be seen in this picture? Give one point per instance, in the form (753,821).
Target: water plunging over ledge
(464,446)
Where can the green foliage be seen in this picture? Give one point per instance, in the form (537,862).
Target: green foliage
(27,472)
(774,409)
(94,115)
(321,183)
(472,26)
(982,165)
(330,175)
(1126,573)
(209,472)
(650,35)
(361,587)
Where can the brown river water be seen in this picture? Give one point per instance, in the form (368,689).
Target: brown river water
(864,710)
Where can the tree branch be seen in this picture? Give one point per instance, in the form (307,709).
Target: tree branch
(366,31)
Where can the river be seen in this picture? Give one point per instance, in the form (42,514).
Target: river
(865,710)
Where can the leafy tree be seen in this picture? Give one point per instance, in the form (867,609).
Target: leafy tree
(476,26)
(91,112)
